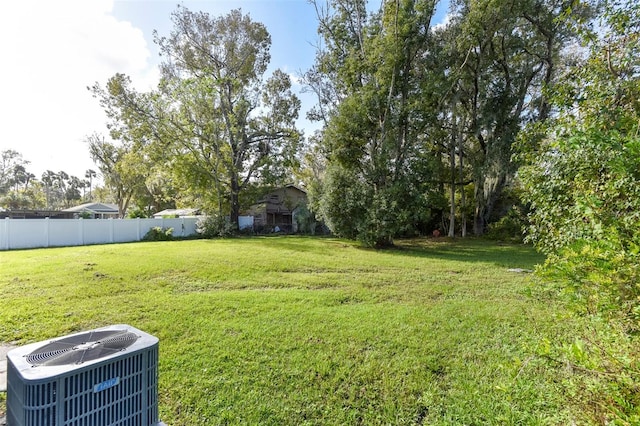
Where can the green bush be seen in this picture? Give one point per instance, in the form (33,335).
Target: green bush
(583,185)
(354,209)
(157,233)
(215,226)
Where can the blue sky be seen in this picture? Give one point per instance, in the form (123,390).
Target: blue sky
(291,23)
(53,50)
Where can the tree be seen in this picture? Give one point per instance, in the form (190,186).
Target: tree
(228,125)
(215,121)
(582,176)
(47,179)
(12,170)
(19,176)
(121,168)
(581,179)
(60,186)
(447,61)
(406,105)
(136,124)
(506,53)
(376,184)
(90,174)
(72,193)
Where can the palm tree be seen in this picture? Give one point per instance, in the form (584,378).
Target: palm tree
(48,178)
(19,176)
(72,192)
(84,184)
(90,174)
(29,177)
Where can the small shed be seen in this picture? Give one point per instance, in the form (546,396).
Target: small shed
(276,211)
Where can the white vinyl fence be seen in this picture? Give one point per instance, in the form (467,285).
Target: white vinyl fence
(32,233)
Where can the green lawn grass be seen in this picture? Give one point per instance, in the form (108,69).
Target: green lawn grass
(317,331)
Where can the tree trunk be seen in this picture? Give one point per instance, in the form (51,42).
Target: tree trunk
(234,202)
(452,196)
(463,198)
(478,217)
(487,192)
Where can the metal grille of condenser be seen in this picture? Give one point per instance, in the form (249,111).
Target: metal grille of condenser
(118,389)
(83,347)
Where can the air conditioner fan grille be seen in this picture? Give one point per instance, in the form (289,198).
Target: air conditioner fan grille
(82,347)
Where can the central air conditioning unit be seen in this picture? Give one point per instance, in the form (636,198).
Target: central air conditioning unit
(102,377)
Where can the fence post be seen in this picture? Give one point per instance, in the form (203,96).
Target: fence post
(5,236)
(46,232)
(80,231)
(110,229)
(138,228)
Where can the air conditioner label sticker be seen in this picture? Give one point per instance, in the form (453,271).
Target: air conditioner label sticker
(106,384)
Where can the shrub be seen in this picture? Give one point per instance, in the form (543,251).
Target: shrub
(353,208)
(158,233)
(215,226)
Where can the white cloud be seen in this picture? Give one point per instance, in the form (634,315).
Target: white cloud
(444,23)
(296,80)
(51,51)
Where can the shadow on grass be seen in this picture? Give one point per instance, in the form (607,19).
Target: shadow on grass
(475,250)
(472,250)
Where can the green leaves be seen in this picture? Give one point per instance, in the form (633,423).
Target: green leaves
(213,124)
(583,181)
(374,133)
(233,128)
(584,188)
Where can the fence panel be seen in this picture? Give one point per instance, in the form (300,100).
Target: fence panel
(33,233)
(24,234)
(127,231)
(97,231)
(64,232)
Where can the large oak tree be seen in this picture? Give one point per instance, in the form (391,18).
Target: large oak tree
(217,119)
(231,122)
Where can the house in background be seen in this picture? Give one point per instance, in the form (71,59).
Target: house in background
(276,211)
(94,211)
(87,210)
